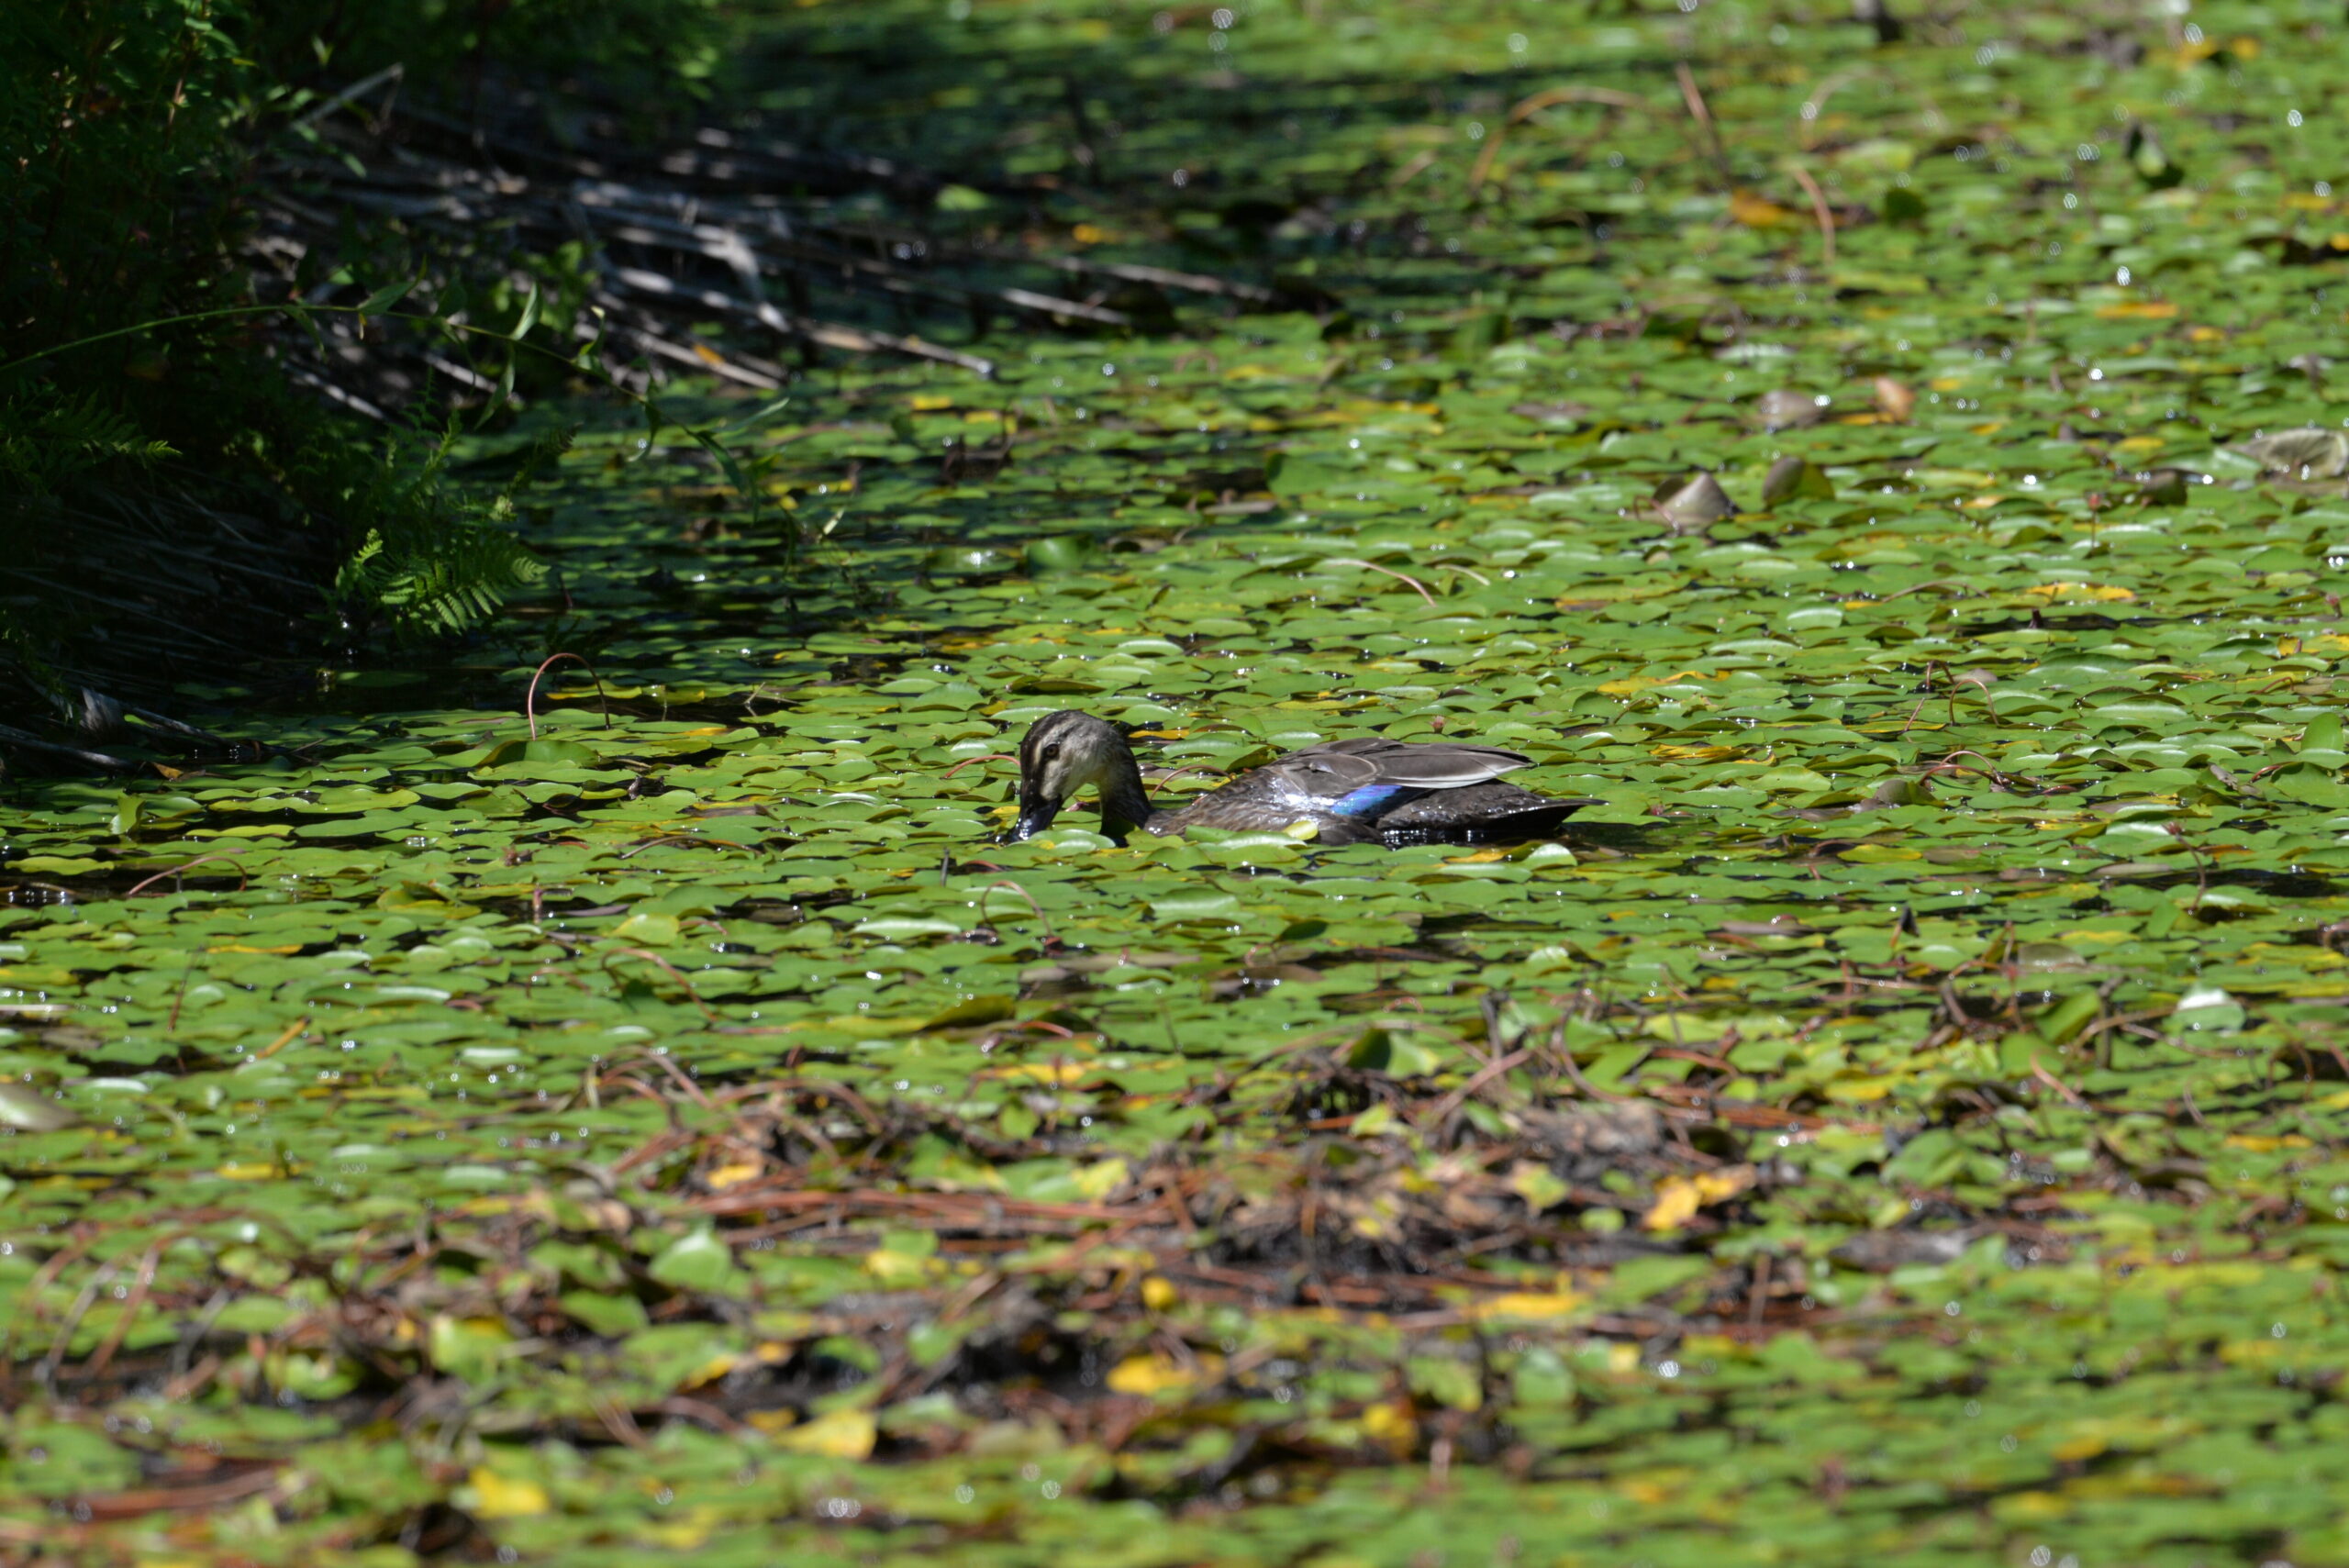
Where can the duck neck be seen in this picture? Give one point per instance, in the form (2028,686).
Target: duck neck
(1124,805)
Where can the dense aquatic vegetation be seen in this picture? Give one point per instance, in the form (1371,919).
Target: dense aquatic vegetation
(563,1114)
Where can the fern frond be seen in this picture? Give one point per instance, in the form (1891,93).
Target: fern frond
(445,579)
(44,445)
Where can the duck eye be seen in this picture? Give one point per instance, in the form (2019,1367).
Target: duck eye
(1049,752)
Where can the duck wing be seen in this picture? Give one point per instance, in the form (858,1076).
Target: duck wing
(1493,811)
(1338,768)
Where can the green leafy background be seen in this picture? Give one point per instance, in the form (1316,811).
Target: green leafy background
(1903,1119)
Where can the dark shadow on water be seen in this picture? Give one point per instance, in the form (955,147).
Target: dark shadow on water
(958,103)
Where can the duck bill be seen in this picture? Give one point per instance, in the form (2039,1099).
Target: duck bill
(1036,814)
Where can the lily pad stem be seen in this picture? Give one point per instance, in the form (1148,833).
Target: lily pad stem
(1821,211)
(531,697)
(1416,586)
(176,870)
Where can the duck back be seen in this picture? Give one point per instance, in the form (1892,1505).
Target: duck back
(1374,788)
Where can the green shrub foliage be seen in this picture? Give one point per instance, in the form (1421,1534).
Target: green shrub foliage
(134,359)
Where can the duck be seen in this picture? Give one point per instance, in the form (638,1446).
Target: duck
(1364,790)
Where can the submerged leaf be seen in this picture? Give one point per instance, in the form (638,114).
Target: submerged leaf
(28,1112)
(1793,478)
(1698,505)
(1784,409)
(2304,453)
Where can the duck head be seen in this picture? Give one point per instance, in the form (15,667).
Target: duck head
(1064,753)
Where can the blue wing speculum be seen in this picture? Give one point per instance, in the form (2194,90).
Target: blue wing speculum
(1371,800)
